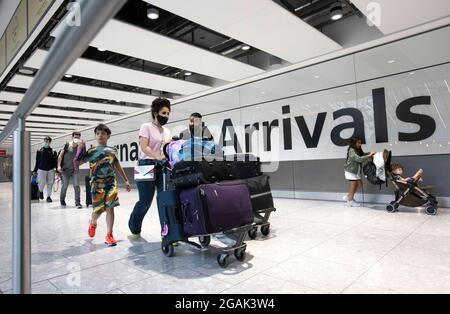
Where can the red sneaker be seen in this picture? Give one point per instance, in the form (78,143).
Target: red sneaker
(110,241)
(91,230)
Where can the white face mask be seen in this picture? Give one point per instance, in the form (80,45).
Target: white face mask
(76,141)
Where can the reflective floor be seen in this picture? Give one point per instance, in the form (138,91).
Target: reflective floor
(314,247)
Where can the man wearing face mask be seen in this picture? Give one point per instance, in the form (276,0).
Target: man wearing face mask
(44,169)
(196,128)
(69,170)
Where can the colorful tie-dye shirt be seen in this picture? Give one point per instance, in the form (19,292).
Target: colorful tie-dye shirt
(101,161)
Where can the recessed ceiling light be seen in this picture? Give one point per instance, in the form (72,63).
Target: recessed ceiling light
(391,61)
(245,47)
(187,73)
(153,13)
(68,75)
(263,92)
(316,76)
(412,73)
(26,71)
(101,49)
(347,92)
(336,11)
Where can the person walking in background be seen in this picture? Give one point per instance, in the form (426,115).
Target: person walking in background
(44,169)
(68,169)
(355,157)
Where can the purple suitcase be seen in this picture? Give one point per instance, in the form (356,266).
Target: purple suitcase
(212,208)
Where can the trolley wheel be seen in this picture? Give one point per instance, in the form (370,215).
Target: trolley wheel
(431,210)
(253,232)
(204,241)
(222,260)
(167,250)
(240,254)
(265,230)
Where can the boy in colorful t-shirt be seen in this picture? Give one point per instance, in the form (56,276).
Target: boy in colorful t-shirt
(103,162)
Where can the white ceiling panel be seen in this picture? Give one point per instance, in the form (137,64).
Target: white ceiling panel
(111,73)
(47,125)
(53,112)
(81,123)
(16,97)
(60,102)
(22,81)
(402,14)
(115,37)
(260,23)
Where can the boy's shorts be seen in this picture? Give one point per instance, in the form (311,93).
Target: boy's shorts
(104,194)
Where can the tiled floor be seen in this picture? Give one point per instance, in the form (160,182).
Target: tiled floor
(314,247)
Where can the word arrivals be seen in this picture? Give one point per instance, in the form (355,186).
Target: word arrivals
(186,304)
(311,138)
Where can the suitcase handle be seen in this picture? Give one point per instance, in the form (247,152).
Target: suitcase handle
(184,211)
(178,171)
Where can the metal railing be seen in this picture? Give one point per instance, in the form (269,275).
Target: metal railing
(92,15)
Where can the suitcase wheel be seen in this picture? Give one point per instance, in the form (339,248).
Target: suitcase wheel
(222,260)
(252,233)
(240,254)
(167,250)
(204,241)
(265,230)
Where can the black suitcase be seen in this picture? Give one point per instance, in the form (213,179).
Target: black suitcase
(248,165)
(260,193)
(87,181)
(193,173)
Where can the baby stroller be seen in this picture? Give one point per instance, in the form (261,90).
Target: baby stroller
(407,194)
(412,195)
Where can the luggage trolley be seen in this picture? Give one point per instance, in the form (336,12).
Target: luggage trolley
(172,226)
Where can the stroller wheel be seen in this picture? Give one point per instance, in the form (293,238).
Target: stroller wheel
(391,208)
(431,210)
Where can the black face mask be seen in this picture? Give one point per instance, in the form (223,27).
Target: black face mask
(162,120)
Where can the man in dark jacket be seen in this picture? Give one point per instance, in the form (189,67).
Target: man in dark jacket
(196,129)
(44,168)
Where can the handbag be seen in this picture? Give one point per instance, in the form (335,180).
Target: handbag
(145,173)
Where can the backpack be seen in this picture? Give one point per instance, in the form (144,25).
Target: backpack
(370,170)
(65,149)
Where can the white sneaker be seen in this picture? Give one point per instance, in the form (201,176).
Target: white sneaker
(345,198)
(353,204)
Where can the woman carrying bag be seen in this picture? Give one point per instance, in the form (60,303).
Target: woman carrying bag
(148,175)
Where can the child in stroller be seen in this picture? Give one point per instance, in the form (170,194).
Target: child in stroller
(408,192)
